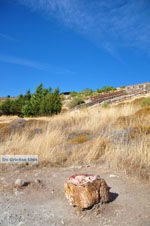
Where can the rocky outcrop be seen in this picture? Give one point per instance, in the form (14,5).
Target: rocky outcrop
(86,190)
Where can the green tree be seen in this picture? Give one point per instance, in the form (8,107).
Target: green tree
(27,109)
(51,103)
(1,110)
(46,91)
(6,107)
(27,96)
(37,98)
(42,102)
(18,104)
(32,105)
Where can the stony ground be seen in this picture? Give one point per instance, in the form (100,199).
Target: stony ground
(45,203)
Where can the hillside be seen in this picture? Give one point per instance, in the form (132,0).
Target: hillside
(111,140)
(105,95)
(118,134)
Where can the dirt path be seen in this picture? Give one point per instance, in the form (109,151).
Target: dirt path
(46,204)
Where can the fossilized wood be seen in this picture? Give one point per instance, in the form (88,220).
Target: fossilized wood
(86,190)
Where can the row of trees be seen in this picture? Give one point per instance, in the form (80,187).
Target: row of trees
(42,102)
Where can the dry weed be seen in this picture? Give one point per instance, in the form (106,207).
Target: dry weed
(105,128)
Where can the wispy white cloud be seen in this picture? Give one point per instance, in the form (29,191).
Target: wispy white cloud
(34,64)
(22,62)
(110,24)
(7,37)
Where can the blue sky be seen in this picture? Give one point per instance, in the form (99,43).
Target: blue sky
(73,44)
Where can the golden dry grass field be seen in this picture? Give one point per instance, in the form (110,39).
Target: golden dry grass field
(118,134)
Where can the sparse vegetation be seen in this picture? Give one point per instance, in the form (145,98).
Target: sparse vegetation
(87,92)
(76,101)
(79,139)
(105,105)
(146,102)
(73,94)
(106,89)
(122,87)
(118,135)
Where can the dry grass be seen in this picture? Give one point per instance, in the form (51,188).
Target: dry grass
(7,119)
(119,135)
(79,139)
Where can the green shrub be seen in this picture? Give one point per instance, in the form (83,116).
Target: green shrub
(122,87)
(105,105)
(106,89)
(73,94)
(145,102)
(76,101)
(87,92)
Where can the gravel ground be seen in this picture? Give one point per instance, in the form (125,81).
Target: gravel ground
(45,204)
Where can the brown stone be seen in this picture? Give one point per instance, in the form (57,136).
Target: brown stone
(86,190)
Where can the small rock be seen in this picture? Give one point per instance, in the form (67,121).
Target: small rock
(21,223)
(37,181)
(18,193)
(62,221)
(88,166)
(36,175)
(113,175)
(21,183)
(19,120)
(75,167)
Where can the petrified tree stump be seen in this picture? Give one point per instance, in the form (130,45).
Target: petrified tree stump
(86,190)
